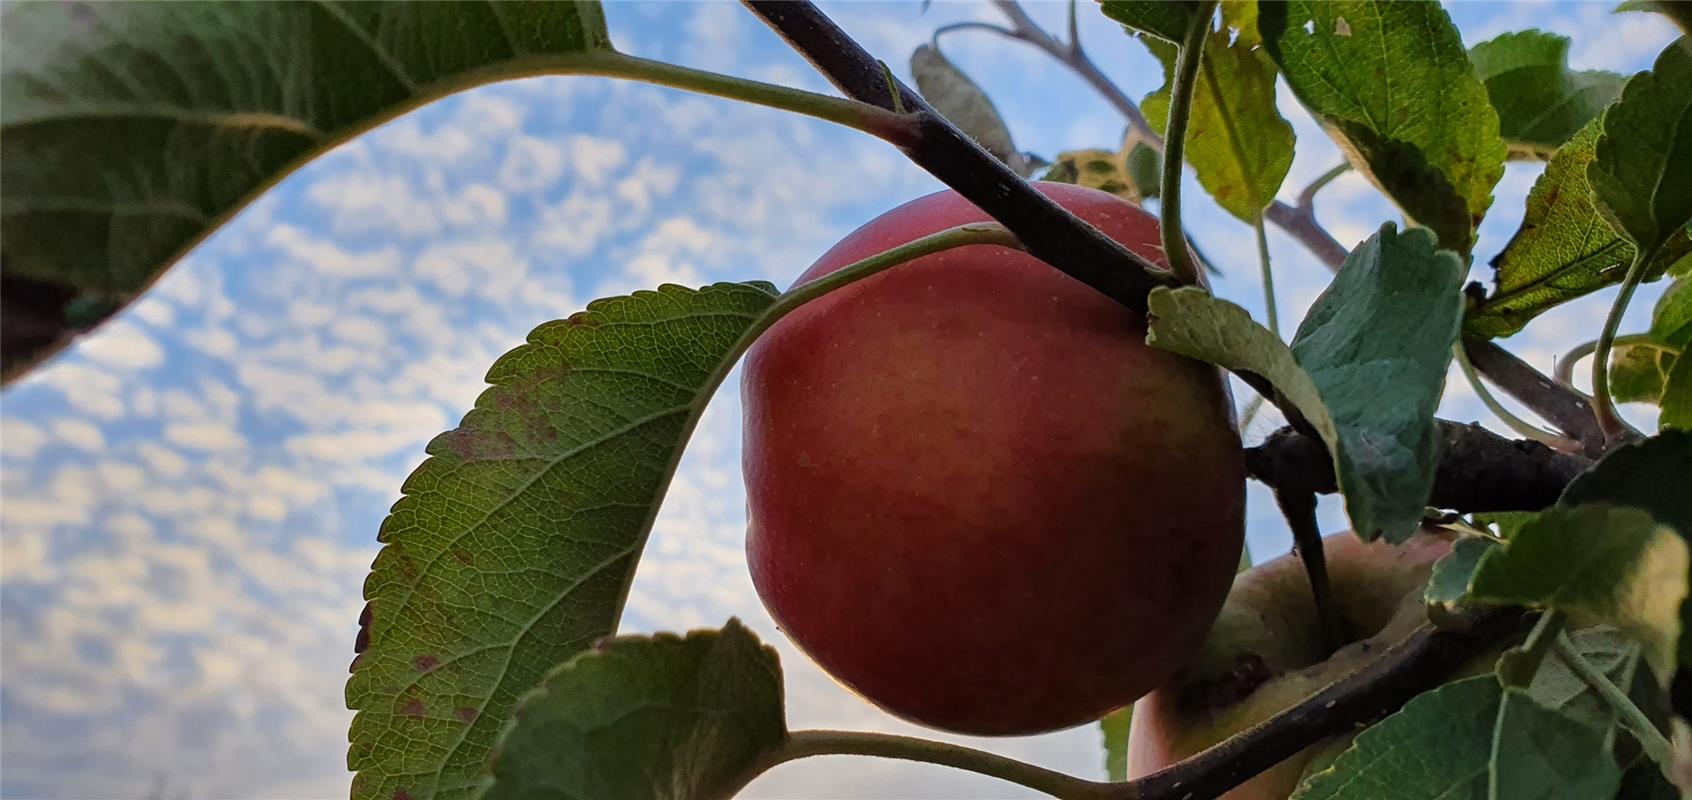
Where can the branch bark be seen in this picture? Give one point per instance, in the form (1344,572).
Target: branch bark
(1554,402)
(1479,471)
(1048,231)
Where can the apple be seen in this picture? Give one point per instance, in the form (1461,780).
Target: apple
(1266,653)
(974,495)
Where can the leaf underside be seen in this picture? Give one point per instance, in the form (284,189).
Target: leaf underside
(130,131)
(515,541)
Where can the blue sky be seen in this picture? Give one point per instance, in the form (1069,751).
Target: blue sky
(191,494)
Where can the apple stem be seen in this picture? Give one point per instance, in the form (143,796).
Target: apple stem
(1180,109)
(1300,511)
(1603,405)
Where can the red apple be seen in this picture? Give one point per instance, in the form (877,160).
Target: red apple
(975,496)
(1266,653)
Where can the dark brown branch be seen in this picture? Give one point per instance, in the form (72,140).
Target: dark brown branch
(1421,662)
(1050,232)
(1479,470)
(1299,222)
(1550,400)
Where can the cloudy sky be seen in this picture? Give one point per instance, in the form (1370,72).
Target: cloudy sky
(191,495)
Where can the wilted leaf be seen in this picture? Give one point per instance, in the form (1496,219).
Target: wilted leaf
(1392,84)
(1388,319)
(1597,563)
(1161,18)
(1237,141)
(1641,174)
(1461,740)
(515,541)
(954,95)
(1540,101)
(131,130)
(1564,249)
(646,718)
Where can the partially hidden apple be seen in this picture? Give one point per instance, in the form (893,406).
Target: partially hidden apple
(1267,652)
(975,495)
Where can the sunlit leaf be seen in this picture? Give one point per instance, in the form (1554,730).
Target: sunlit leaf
(515,541)
(1161,18)
(1115,727)
(1392,84)
(1237,141)
(1641,173)
(1564,249)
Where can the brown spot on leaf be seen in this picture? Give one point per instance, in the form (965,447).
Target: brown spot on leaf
(362,643)
(582,319)
(401,794)
(463,556)
(353,667)
(466,714)
(413,708)
(425,663)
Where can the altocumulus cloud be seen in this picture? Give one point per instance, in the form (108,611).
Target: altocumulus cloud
(192,494)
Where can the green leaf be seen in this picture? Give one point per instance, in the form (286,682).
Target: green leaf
(1540,101)
(1388,319)
(646,718)
(1115,729)
(1506,522)
(1391,82)
(954,95)
(1456,741)
(1564,248)
(1161,18)
(1638,371)
(1145,169)
(514,544)
(1542,753)
(132,130)
(1677,397)
(1641,174)
(1556,686)
(1676,10)
(1649,475)
(1237,142)
(1598,563)
(1449,582)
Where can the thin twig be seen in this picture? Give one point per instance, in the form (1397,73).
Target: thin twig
(1050,232)
(1504,415)
(1552,401)
(1479,471)
(1300,510)
(1300,226)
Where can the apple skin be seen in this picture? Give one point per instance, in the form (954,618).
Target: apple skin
(1266,653)
(975,496)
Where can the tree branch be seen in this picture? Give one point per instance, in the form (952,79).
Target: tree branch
(1479,470)
(1049,232)
(1299,222)
(1552,401)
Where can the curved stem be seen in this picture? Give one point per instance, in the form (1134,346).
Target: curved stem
(1504,415)
(934,39)
(1269,312)
(960,236)
(897,128)
(1603,406)
(1566,364)
(803,744)
(1306,197)
(1300,511)
(1655,745)
(1180,109)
